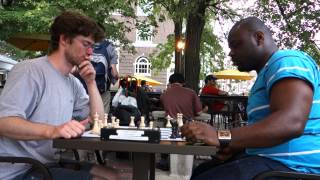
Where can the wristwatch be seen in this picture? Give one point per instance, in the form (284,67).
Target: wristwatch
(224,137)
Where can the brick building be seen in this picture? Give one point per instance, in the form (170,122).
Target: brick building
(139,63)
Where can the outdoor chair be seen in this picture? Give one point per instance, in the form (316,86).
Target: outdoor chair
(35,164)
(287,175)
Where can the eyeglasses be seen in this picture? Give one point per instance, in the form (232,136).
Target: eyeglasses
(86,44)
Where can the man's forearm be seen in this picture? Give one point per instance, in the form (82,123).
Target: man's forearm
(21,129)
(114,71)
(95,101)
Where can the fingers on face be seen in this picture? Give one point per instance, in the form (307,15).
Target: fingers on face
(83,64)
(87,71)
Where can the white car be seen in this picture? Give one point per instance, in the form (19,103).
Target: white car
(6,64)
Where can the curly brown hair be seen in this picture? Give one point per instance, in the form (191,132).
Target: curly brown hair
(71,24)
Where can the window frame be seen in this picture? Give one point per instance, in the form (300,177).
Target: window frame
(142,68)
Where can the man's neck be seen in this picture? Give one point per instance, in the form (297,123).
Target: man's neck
(58,61)
(176,84)
(266,57)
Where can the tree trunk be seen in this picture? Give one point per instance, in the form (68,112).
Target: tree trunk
(177,53)
(195,25)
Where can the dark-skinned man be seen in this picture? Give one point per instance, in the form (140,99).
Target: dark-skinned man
(283,111)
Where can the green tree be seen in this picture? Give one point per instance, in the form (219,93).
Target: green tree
(198,43)
(298,22)
(35,16)
(294,23)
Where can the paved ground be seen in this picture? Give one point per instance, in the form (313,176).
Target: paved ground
(165,175)
(125,165)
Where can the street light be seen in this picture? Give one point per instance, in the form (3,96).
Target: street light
(180,47)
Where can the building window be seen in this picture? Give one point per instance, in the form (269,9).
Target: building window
(144,37)
(142,66)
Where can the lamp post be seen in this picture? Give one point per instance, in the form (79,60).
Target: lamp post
(180,47)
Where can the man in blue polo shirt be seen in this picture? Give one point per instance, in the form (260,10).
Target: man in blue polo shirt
(283,111)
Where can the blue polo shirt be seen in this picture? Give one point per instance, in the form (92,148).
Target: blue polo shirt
(302,153)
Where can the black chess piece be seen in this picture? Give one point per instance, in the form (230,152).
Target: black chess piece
(175,132)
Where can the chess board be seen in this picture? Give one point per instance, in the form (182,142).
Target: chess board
(136,134)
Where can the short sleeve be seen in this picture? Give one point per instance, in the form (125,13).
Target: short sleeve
(197,103)
(21,93)
(81,104)
(293,66)
(113,55)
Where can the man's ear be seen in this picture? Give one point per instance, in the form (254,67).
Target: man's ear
(259,36)
(63,40)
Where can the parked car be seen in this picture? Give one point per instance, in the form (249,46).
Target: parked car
(6,65)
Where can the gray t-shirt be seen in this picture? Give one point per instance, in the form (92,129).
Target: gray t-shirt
(38,92)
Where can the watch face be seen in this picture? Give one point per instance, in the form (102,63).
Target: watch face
(224,134)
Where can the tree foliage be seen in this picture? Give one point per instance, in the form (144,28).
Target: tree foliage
(294,23)
(36,16)
(202,46)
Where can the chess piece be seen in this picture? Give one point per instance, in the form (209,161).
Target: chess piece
(117,124)
(168,124)
(131,124)
(105,123)
(142,123)
(151,124)
(113,121)
(100,122)
(180,120)
(96,125)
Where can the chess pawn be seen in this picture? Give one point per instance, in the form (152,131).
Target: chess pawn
(117,123)
(151,124)
(105,124)
(96,125)
(131,124)
(168,125)
(142,123)
(113,121)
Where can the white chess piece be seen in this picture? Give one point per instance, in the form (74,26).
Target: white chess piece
(113,121)
(105,123)
(100,123)
(168,125)
(142,123)
(151,124)
(180,119)
(131,124)
(96,125)
(117,123)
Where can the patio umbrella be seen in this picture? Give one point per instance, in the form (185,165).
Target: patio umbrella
(233,74)
(30,42)
(150,81)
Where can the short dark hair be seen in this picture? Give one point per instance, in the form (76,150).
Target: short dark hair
(252,24)
(72,24)
(143,82)
(176,78)
(209,78)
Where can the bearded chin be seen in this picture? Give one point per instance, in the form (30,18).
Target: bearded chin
(71,59)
